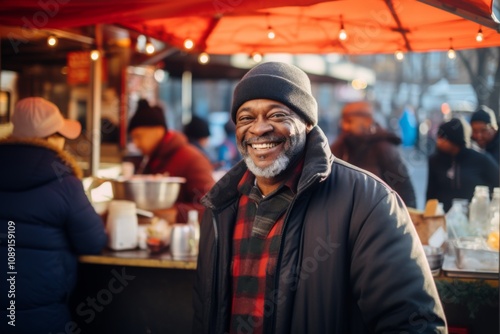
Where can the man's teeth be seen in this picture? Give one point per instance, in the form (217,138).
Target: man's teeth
(264,146)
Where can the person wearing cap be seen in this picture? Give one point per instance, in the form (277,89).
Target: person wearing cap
(43,204)
(295,240)
(166,151)
(454,170)
(485,131)
(365,144)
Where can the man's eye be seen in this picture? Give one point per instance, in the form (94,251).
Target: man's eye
(278,115)
(244,118)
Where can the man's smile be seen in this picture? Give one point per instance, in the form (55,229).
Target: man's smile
(264,146)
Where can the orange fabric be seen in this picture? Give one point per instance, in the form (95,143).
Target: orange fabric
(305,26)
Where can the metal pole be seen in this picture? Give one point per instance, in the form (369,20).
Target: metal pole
(187,91)
(94,129)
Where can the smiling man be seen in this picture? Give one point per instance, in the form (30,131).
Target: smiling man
(296,241)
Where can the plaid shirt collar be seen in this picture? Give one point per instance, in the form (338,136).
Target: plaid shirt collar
(247,182)
(273,205)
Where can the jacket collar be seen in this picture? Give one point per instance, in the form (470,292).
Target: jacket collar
(66,158)
(317,166)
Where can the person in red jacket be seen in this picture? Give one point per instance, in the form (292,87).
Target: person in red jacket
(166,151)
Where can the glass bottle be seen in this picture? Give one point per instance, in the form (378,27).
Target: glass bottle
(479,211)
(456,219)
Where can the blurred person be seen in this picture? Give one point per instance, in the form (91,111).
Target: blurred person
(455,170)
(228,154)
(198,133)
(296,241)
(485,131)
(168,151)
(363,143)
(43,202)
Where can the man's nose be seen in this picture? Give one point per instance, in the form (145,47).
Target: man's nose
(261,126)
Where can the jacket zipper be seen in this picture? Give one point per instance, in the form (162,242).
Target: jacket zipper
(213,318)
(280,254)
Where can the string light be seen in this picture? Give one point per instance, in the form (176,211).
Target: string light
(270,33)
(52,40)
(150,48)
(342,32)
(94,55)
(257,57)
(451,52)
(203,58)
(399,55)
(479,36)
(188,44)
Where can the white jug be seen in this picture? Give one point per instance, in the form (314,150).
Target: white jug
(122,225)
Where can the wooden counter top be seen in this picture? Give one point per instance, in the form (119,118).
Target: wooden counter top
(140,258)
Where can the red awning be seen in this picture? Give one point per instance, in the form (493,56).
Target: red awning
(233,26)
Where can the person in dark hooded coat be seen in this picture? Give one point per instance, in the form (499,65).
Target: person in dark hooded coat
(365,144)
(46,220)
(454,169)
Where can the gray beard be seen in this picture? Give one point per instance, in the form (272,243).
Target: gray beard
(297,144)
(279,165)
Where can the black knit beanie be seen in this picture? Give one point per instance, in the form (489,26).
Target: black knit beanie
(147,116)
(197,128)
(486,115)
(452,131)
(279,82)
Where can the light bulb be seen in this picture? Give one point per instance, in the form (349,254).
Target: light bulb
(479,36)
(52,41)
(270,33)
(150,48)
(188,44)
(399,55)
(203,58)
(257,57)
(452,54)
(342,35)
(94,55)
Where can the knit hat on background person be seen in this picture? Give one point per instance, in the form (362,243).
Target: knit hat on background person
(197,128)
(486,115)
(35,117)
(230,127)
(359,108)
(452,131)
(280,82)
(147,116)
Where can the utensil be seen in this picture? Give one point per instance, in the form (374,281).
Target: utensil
(182,241)
(149,192)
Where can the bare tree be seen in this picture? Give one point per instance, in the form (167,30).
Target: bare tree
(483,69)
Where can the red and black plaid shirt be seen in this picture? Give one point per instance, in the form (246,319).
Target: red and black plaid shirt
(256,241)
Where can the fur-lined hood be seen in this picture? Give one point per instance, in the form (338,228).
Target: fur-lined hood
(29,162)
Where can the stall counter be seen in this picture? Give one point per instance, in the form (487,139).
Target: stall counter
(133,291)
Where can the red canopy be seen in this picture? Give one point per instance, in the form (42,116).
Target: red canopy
(303,26)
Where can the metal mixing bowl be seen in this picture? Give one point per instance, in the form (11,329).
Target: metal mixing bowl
(148,192)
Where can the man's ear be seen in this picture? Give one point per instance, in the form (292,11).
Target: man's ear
(309,127)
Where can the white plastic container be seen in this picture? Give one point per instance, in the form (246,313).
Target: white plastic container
(122,225)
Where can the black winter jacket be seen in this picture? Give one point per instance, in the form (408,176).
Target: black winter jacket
(43,205)
(349,261)
(452,177)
